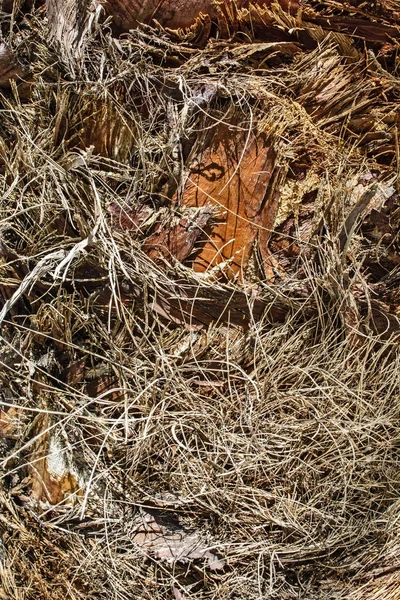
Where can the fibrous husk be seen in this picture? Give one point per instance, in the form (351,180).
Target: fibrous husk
(199,274)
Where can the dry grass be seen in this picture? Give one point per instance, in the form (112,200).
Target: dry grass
(275,443)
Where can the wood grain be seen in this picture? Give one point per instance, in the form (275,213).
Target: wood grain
(233,174)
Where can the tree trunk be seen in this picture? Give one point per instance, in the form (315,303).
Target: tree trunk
(199,299)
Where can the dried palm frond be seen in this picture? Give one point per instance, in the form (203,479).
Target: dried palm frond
(199,366)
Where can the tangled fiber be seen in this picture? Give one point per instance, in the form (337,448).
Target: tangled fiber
(199,309)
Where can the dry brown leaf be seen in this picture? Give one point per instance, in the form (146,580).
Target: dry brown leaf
(178,240)
(171,543)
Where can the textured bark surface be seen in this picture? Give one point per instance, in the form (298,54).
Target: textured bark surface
(67,19)
(8,6)
(67,24)
(177,14)
(177,239)
(53,478)
(232,173)
(126,14)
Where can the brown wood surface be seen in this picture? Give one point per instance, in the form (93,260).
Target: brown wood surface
(176,13)
(233,174)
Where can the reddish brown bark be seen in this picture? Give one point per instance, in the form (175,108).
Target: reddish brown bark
(233,174)
(177,14)
(231,183)
(362,28)
(179,240)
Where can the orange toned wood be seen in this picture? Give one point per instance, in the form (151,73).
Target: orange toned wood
(54,490)
(46,485)
(234,174)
